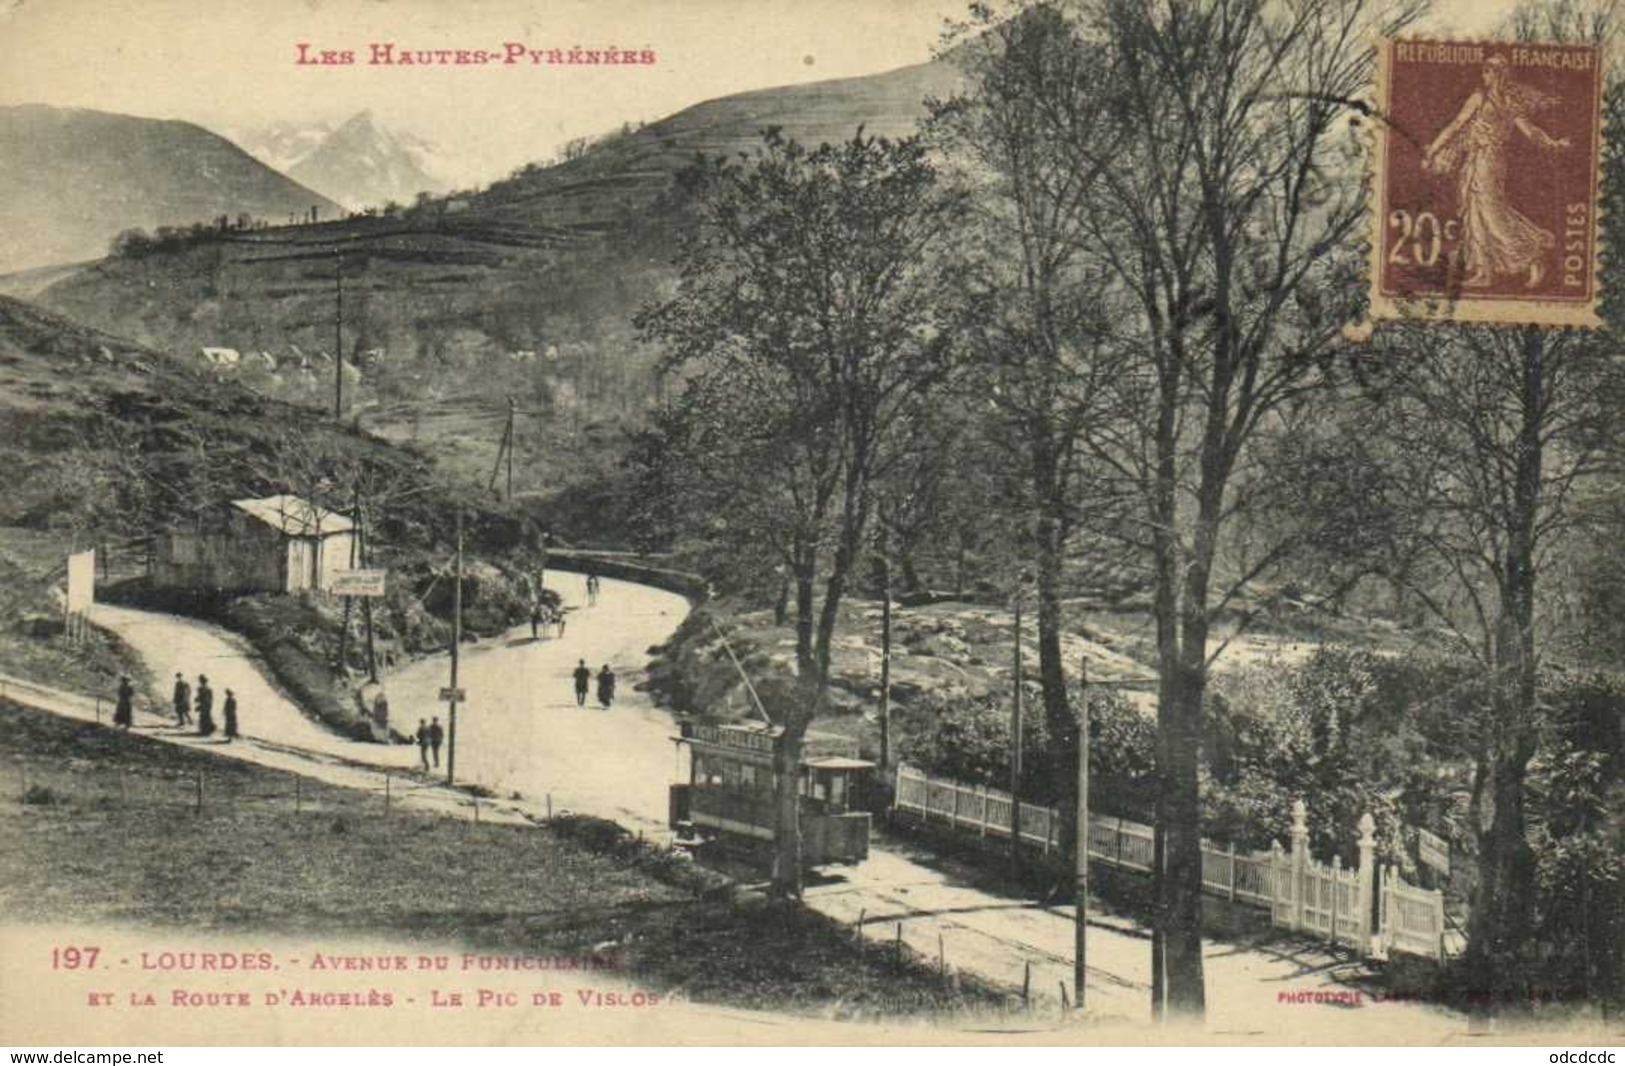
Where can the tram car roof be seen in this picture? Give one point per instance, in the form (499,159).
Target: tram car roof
(756,740)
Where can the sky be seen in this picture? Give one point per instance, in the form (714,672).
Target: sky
(231,64)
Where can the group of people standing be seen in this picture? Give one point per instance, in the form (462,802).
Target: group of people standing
(544,617)
(185,702)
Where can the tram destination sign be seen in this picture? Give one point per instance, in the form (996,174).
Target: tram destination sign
(357,583)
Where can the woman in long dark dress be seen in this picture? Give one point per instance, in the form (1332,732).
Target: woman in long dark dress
(230,711)
(606,686)
(205,707)
(124,713)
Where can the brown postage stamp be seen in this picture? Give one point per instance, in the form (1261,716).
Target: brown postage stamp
(1485,200)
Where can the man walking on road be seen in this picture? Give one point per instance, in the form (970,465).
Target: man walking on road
(183,701)
(423,741)
(583,676)
(606,686)
(436,735)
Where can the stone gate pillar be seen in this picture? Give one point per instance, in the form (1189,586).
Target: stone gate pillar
(1366,884)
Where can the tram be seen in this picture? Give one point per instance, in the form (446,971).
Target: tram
(729,795)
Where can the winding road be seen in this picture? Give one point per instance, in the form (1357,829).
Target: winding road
(522,736)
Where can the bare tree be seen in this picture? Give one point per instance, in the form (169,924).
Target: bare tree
(808,309)
(1227,212)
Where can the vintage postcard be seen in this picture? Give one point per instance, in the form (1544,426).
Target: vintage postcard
(854,522)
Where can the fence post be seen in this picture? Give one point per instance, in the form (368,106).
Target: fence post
(1232,850)
(981,790)
(1364,885)
(954,818)
(1280,891)
(1385,910)
(1300,856)
(1438,923)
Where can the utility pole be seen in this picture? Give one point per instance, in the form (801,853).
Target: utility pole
(456,644)
(338,336)
(885,647)
(1015,739)
(366,601)
(504,450)
(1080,947)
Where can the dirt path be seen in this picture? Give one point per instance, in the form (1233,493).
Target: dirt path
(521,732)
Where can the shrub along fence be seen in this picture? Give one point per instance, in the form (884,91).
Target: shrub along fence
(1367,911)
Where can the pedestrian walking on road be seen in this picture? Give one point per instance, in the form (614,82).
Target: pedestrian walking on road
(230,712)
(560,619)
(205,707)
(606,686)
(436,735)
(535,621)
(423,741)
(583,676)
(124,713)
(183,701)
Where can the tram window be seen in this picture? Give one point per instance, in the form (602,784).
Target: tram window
(747,776)
(837,790)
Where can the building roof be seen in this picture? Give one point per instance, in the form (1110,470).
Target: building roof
(294,516)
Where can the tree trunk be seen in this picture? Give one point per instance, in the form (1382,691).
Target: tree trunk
(1058,717)
(1502,911)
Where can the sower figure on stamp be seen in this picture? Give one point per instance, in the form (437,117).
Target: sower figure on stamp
(124,713)
(1497,239)
(205,707)
(183,701)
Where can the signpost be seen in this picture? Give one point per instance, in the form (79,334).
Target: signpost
(1434,851)
(453,695)
(358,583)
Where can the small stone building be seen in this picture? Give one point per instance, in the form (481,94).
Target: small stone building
(275,544)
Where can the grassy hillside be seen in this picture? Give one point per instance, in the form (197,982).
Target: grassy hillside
(70,179)
(523,290)
(109,441)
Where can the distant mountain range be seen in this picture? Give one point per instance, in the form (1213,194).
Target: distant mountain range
(360,163)
(71,179)
(555,259)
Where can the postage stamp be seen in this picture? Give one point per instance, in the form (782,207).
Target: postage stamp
(1485,198)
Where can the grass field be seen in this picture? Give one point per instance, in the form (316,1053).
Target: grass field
(108,828)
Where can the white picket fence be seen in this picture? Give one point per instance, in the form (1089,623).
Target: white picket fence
(1300,892)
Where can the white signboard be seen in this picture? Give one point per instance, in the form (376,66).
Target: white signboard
(1433,851)
(357,583)
(81,581)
